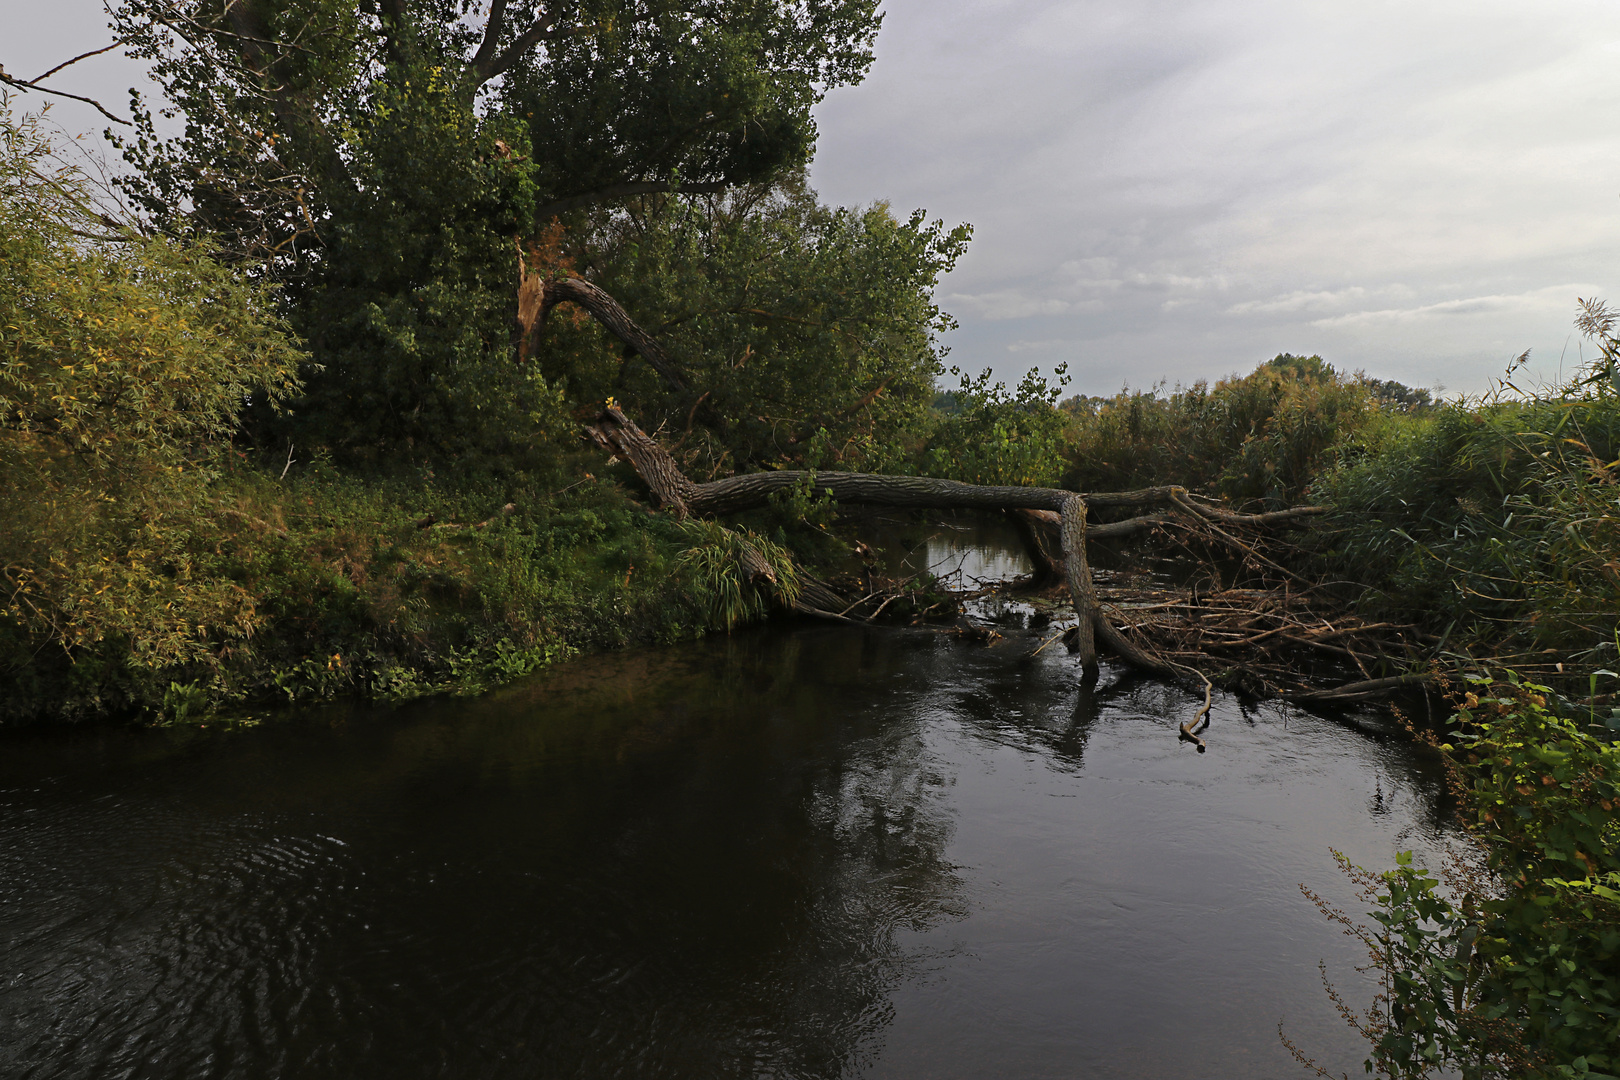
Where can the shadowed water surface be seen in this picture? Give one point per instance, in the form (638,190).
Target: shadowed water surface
(788,853)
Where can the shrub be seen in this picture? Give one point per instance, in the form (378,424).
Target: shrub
(1263,436)
(125,362)
(989,435)
(1519,975)
(1498,521)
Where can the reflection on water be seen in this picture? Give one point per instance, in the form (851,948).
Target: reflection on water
(963,551)
(795,853)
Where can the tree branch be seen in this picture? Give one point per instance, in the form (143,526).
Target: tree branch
(76,59)
(492,36)
(291,107)
(607,311)
(538,31)
(26,86)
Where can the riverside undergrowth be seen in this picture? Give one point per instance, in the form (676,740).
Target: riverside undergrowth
(1495,523)
(1514,969)
(384,588)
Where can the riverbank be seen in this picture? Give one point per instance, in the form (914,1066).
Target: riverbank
(383,589)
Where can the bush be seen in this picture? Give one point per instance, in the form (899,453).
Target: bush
(988,435)
(1496,522)
(1519,975)
(1263,436)
(125,362)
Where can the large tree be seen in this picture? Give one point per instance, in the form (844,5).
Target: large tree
(612,97)
(380,159)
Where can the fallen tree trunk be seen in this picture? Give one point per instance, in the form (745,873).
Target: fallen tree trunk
(1054,521)
(1358,691)
(672,490)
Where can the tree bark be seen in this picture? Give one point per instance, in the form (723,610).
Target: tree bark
(1081,590)
(607,311)
(672,490)
(619,435)
(1039,508)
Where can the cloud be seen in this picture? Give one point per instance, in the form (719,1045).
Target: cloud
(1553,298)
(1038,346)
(1174,188)
(1299,300)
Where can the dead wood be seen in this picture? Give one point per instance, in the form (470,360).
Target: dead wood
(1369,690)
(1036,507)
(537,296)
(1177,638)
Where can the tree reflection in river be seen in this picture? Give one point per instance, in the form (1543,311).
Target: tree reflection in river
(687,863)
(805,853)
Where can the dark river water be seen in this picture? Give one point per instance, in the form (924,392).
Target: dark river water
(793,852)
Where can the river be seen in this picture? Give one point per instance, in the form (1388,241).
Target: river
(797,851)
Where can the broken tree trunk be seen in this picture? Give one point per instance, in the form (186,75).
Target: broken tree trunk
(537,296)
(673,491)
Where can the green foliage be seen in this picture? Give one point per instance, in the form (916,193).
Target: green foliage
(1545,791)
(382,160)
(808,330)
(1520,977)
(989,435)
(1263,436)
(1498,520)
(697,93)
(410,310)
(718,563)
(1430,1011)
(124,364)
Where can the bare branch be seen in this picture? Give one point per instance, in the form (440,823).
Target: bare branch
(492,36)
(608,312)
(76,59)
(26,86)
(538,31)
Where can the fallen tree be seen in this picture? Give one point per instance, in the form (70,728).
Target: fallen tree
(1044,510)
(1055,523)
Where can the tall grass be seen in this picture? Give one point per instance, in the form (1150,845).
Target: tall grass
(1494,521)
(1263,436)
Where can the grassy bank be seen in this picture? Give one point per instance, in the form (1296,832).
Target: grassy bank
(321,584)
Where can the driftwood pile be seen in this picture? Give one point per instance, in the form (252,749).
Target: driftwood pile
(1271,640)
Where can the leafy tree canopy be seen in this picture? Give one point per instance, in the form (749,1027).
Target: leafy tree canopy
(383,158)
(809,332)
(608,97)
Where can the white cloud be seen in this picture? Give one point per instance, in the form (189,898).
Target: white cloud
(998,306)
(1037,346)
(1299,300)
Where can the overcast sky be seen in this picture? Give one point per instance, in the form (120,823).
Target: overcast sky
(1182,188)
